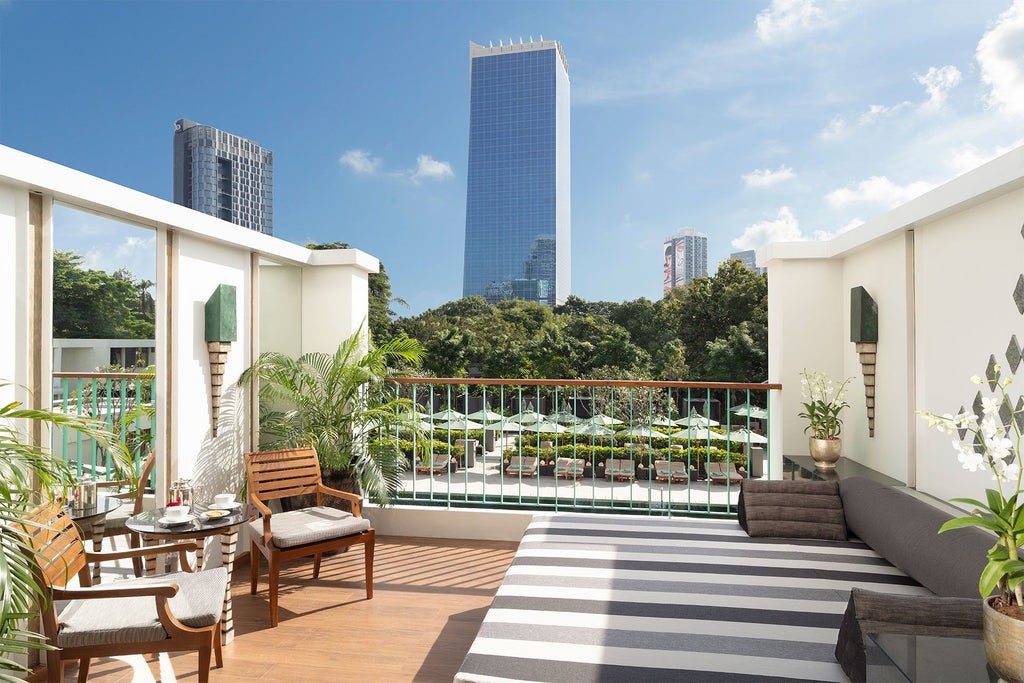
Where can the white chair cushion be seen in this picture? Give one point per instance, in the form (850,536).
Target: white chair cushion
(310,525)
(104,621)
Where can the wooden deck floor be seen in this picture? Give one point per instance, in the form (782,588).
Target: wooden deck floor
(430,596)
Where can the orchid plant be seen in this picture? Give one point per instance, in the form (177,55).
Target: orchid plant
(991,444)
(823,401)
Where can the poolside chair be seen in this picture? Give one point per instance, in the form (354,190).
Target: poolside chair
(722,472)
(619,468)
(437,464)
(570,468)
(671,471)
(523,465)
(168,613)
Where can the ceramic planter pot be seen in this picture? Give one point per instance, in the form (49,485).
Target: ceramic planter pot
(1004,643)
(825,451)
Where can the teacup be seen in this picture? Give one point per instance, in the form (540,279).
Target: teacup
(178,513)
(223,500)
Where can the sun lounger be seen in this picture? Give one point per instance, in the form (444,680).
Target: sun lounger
(570,468)
(522,465)
(722,472)
(671,471)
(619,468)
(437,464)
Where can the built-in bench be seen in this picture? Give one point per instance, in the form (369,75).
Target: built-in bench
(621,598)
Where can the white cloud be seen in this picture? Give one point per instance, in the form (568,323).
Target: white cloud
(826,235)
(877,112)
(1000,55)
(429,168)
(968,157)
(835,129)
(360,162)
(765,177)
(877,190)
(786,19)
(938,82)
(783,228)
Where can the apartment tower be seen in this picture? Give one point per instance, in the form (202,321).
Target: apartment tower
(223,175)
(517,195)
(686,257)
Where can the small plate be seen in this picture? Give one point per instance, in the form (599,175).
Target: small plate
(230,506)
(214,514)
(164,521)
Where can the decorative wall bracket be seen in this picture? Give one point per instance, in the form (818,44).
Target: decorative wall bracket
(221,330)
(864,334)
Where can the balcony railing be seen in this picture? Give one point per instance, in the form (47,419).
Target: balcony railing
(123,402)
(658,448)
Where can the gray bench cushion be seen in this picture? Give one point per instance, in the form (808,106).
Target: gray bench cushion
(792,509)
(905,530)
(309,525)
(198,603)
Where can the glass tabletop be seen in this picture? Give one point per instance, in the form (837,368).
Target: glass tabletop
(896,658)
(203,519)
(104,506)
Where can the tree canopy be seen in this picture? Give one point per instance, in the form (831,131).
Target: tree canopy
(93,304)
(714,329)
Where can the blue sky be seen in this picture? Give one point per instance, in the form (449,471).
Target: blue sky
(749,121)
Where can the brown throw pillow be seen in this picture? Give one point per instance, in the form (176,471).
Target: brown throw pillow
(792,509)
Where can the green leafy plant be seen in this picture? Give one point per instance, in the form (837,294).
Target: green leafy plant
(996,445)
(340,405)
(823,402)
(28,475)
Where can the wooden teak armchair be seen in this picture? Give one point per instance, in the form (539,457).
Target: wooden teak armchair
(168,613)
(284,536)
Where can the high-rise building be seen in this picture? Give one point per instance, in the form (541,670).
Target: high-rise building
(223,175)
(749,259)
(517,194)
(686,257)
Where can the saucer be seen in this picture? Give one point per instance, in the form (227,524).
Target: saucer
(164,521)
(214,514)
(230,506)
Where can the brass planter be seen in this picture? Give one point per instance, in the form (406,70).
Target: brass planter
(1004,643)
(825,451)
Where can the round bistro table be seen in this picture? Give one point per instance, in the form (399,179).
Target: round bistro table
(148,525)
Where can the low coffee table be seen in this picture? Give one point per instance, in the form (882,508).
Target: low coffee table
(148,525)
(933,659)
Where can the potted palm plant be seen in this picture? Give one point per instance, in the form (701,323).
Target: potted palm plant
(28,475)
(339,404)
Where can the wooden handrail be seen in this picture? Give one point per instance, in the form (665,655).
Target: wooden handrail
(759,386)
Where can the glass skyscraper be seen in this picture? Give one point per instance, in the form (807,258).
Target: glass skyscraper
(223,175)
(517,195)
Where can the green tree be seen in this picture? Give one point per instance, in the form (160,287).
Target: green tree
(92,304)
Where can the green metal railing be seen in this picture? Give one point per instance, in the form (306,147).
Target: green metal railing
(122,402)
(646,422)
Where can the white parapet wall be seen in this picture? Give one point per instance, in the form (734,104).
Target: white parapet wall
(943,270)
(433,522)
(313,300)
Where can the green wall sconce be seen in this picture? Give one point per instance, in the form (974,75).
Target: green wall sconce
(864,334)
(221,330)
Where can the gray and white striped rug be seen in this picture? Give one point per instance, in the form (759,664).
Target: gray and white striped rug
(621,599)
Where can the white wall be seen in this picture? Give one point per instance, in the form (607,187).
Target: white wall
(13,223)
(280,310)
(968,265)
(942,269)
(883,271)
